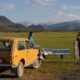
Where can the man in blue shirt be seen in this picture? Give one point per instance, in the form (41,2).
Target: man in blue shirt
(31,40)
(32,44)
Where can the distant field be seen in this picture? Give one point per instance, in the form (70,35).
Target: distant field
(53,65)
(48,39)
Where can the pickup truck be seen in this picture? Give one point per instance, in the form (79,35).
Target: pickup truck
(17,54)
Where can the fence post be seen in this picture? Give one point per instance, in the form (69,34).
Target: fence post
(61,56)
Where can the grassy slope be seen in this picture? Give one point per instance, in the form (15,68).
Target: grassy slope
(52,40)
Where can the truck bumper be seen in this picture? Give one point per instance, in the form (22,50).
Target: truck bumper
(4,65)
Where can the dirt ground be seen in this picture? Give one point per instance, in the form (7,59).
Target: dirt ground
(74,74)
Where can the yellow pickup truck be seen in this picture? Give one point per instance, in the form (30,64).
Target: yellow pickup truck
(17,54)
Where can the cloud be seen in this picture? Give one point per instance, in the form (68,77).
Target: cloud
(39,2)
(6,6)
(72,16)
(61,16)
(67,7)
(58,13)
(65,14)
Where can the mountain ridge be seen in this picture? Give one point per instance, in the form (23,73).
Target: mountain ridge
(8,25)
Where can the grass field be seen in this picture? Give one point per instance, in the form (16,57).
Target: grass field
(53,66)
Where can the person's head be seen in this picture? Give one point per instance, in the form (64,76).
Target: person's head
(30,34)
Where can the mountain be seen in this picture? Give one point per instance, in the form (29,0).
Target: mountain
(35,28)
(5,21)
(8,25)
(25,23)
(73,25)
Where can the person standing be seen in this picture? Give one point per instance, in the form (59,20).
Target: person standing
(76,55)
(77,47)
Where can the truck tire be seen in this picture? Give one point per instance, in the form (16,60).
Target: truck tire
(37,63)
(19,71)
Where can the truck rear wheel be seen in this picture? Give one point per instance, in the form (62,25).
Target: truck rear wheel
(19,70)
(37,63)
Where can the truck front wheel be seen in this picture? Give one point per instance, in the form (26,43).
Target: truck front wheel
(19,70)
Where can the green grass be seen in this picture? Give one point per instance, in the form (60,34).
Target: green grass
(52,40)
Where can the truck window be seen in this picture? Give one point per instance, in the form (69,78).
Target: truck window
(1,45)
(21,45)
(8,45)
(27,44)
(5,44)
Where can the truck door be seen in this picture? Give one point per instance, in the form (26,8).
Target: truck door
(31,53)
(20,52)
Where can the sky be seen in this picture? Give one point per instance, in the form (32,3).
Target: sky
(40,11)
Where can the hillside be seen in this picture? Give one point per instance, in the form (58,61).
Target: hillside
(8,25)
(73,25)
(35,28)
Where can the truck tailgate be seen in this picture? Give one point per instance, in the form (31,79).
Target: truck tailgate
(5,55)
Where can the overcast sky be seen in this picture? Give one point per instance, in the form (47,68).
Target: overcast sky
(40,11)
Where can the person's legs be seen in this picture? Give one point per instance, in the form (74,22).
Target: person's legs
(61,56)
(40,51)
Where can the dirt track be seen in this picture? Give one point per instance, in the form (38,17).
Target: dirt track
(74,74)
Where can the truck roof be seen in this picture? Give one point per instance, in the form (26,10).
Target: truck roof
(13,38)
